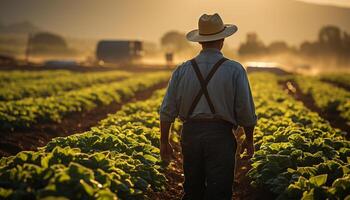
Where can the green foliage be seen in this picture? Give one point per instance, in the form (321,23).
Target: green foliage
(339,78)
(328,97)
(299,155)
(28,111)
(119,158)
(11,77)
(27,87)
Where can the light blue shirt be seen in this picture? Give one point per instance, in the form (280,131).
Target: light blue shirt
(228,89)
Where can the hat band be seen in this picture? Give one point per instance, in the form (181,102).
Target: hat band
(213,33)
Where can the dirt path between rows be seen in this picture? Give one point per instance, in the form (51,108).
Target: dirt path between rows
(242,190)
(340,85)
(334,118)
(39,135)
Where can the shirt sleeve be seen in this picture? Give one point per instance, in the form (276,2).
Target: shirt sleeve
(169,109)
(244,103)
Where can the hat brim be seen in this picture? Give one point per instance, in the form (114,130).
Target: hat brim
(194,35)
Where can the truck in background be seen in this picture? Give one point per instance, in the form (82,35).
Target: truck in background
(119,51)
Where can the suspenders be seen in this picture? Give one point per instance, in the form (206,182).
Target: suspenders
(203,83)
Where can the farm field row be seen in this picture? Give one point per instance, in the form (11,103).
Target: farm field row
(8,77)
(119,158)
(27,112)
(299,155)
(329,98)
(341,79)
(53,85)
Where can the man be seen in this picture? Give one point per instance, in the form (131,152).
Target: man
(211,95)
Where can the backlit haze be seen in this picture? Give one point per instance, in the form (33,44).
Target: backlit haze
(289,20)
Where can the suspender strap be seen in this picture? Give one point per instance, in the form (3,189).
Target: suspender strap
(204,84)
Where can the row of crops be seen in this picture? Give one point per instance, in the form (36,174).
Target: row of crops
(328,97)
(341,79)
(119,158)
(8,77)
(20,87)
(299,154)
(26,112)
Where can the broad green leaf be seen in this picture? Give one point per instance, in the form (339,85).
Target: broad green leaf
(308,195)
(87,187)
(319,180)
(150,158)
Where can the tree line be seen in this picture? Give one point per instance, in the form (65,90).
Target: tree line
(331,42)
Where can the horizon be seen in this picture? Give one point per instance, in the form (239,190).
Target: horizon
(146,25)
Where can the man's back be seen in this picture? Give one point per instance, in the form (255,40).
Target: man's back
(228,90)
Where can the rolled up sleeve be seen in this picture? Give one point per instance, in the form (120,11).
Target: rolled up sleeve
(169,108)
(244,103)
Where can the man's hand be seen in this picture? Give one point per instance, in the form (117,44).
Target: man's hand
(248,142)
(249,146)
(166,151)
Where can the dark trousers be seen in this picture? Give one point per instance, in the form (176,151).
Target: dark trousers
(208,150)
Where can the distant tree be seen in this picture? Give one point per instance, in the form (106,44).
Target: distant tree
(330,35)
(278,47)
(330,40)
(48,43)
(174,41)
(346,43)
(307,48)
(252,45)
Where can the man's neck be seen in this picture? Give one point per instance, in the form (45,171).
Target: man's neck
(208,48)
(211,50)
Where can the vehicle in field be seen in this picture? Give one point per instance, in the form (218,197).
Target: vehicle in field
(7,60)
(61,63)
(119,51)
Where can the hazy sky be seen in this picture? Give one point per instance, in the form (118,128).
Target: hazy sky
(289,20)
(341,3)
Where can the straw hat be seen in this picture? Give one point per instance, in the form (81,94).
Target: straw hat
(210,28)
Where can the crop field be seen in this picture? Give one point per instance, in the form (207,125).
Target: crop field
(28,111)
(95,135)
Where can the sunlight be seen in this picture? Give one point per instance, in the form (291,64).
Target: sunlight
(262,64)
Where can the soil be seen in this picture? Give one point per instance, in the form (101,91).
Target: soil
(40,134)
(341,85)
(334,118)
(242,190)
(174,174)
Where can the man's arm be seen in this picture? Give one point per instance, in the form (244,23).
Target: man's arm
(168,112)
(248,142)
(164,131)
(166,149)
(249,131)
(245,111)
